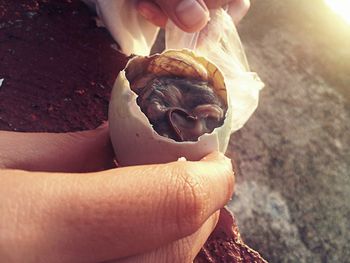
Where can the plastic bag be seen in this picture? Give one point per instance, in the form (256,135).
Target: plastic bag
(131,31)
(218,42)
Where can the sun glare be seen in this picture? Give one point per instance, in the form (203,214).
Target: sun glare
(341,8)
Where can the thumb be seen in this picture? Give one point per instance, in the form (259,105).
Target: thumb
(189,15)
(214,156)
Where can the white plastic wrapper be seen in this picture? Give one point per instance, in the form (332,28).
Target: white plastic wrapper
(218,43)
(131,31)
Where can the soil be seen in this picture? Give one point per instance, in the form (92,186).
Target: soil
(292,156)
(56,74)
(57,66)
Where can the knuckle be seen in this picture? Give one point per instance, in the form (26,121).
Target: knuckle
(191,200)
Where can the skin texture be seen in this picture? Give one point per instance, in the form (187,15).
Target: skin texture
(63,201)
(158,11)
(101,216)
(84,151)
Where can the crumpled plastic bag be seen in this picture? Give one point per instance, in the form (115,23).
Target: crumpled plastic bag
(219,42)
(133,33)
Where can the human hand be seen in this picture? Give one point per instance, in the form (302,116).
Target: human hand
(84,151)
(151,213)
(189,15)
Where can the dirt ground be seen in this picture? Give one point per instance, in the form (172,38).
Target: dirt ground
(293,155)
(57,67)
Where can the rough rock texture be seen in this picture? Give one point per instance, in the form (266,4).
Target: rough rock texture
(57,66)
(293,156)
(56,73)
(225,245)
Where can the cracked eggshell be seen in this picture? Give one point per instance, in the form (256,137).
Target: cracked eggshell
(134,139)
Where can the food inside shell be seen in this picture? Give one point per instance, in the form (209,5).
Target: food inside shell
(178,94)
(174,105)
(167,106)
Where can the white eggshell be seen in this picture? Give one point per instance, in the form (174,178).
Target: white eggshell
(135,141)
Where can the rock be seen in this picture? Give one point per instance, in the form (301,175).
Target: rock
(293,155)
(57,66)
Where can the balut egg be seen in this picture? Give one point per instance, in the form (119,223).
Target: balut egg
(168,106)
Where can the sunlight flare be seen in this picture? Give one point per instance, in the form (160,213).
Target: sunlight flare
(341,8)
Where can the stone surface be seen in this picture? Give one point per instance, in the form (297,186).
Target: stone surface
(293,155)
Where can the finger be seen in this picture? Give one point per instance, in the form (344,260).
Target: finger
(183,250)
(238,9)
(152,12)
(61,152)
(213,4)
(189,15)
(115,213)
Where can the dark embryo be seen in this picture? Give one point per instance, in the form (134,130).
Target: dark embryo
(181,109)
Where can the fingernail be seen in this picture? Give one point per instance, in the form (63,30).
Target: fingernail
(191,14)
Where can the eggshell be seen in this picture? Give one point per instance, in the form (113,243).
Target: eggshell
(135,141)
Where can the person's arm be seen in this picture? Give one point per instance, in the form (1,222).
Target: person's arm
(145,213)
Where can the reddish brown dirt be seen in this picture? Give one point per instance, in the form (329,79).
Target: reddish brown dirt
(225,244)
(58,67)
